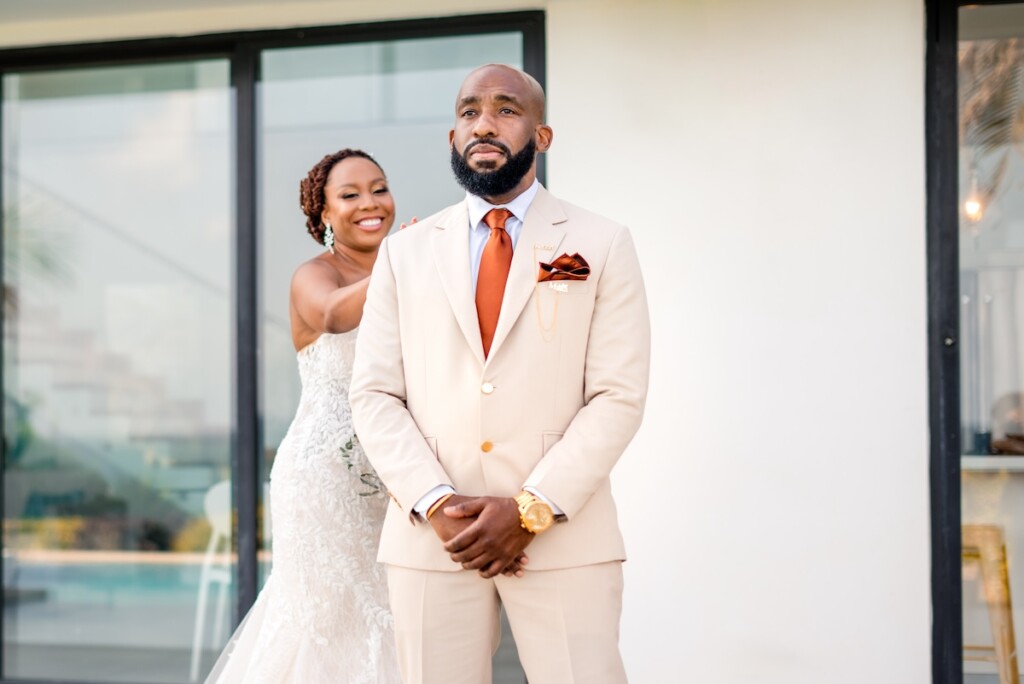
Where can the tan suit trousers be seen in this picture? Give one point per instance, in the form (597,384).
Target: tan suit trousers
(565,623)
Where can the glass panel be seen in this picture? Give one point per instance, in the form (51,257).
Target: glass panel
(991,76)
(393,99)
(117,232)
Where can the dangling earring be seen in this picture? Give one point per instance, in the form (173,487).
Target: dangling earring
(329,237)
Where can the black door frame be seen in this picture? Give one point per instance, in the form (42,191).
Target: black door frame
(943,219)
(243,49)
(942,214)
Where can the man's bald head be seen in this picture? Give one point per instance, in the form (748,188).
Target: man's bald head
(529,90)
(499,129)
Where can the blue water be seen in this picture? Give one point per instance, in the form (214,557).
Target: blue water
(120,583)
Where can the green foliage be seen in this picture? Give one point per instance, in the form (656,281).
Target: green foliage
(34,245)
(373,484)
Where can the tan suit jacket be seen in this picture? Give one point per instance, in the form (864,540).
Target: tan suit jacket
(568,367)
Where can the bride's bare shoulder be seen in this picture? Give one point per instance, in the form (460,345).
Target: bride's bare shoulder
(316,273)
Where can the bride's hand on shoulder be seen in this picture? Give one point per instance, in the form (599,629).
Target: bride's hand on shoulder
(406,225)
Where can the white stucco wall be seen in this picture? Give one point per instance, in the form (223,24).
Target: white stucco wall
(770,159)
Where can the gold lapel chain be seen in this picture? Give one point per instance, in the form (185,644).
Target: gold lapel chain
(547,331)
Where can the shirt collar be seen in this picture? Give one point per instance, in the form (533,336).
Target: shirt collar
(478,206)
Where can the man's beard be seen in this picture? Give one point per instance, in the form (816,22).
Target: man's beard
(499,181)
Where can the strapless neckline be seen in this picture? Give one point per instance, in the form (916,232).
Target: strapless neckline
(323,338)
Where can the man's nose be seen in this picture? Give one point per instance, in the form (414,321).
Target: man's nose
(484,126)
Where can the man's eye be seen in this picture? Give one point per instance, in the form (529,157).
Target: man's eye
(469,112)
(506,110)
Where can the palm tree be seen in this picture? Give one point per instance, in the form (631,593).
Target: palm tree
(991,116)
(31,247)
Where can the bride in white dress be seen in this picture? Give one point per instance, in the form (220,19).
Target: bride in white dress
(323,617)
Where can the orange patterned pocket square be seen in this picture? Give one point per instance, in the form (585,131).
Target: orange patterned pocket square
(564,267)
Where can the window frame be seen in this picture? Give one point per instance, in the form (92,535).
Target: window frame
(942,239)
(243,50)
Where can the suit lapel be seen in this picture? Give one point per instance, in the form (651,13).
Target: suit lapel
(539,240)
(451,253)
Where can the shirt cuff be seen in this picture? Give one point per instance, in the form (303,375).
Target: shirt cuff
(428,500)
(554,508)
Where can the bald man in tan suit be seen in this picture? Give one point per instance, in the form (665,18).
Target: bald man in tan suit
(501,370)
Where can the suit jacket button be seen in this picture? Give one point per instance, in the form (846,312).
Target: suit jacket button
(487,388)
(486,446)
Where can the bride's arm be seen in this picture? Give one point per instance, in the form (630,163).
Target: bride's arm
(322,304)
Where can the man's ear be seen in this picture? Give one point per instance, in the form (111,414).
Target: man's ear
(544,135)
(451,137)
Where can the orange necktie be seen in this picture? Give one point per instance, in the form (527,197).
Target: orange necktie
(490,283)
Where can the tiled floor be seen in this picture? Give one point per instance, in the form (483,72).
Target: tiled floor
(140,665)
(506,660)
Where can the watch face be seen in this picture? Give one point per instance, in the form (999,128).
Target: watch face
(538,517)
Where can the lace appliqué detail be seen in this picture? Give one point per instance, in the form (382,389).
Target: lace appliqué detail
(323,615)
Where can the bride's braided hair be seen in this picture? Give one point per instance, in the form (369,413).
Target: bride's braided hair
(311,189)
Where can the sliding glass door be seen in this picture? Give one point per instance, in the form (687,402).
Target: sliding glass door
(117,217)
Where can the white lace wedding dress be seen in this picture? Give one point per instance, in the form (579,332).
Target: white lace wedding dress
(322,617)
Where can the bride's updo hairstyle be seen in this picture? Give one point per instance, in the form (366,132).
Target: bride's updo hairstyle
(311,189)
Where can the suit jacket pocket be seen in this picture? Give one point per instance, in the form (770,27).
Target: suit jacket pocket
(565,286)
(550,439)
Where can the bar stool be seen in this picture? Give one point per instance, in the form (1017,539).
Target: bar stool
(985,545)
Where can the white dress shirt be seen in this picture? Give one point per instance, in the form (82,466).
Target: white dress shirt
(479,233)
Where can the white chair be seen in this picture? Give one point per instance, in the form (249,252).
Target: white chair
(217,565)
(216,569)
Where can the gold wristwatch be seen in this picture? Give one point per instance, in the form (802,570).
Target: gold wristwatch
(535,516)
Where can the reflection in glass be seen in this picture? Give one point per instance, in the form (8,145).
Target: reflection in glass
(991,76)
(117,222)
